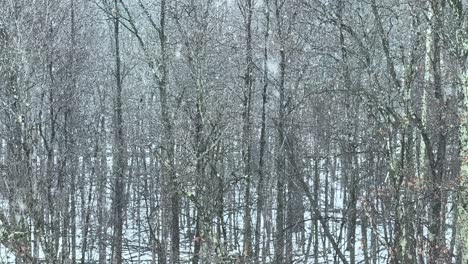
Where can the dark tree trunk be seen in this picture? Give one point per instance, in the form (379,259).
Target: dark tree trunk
(119,163)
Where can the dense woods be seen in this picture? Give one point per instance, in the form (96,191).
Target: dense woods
(233,131)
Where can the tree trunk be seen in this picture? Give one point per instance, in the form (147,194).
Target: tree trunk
(168,155)
(119,161)
(280,150)
(261,163)
(101,179)
(436,158)
(246,155)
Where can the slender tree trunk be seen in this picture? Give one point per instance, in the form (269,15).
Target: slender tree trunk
(101,196)
(119,162)
(248,86)
(349,165)
(316,200)
(261,163)
(437,159)
(280,149)
(168,164)
(200,171)
(72,156)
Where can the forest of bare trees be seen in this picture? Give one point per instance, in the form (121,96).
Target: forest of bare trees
(233,131)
